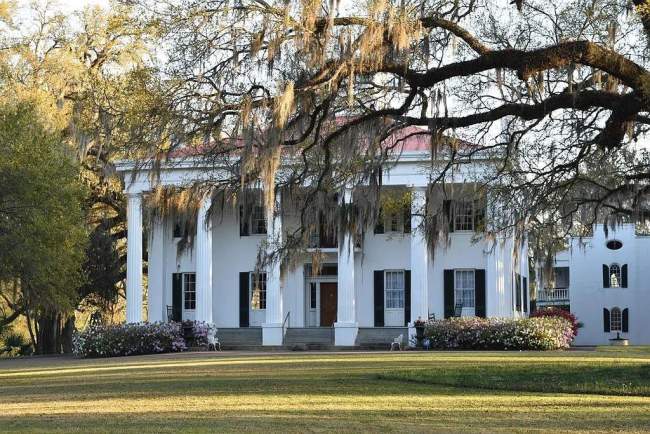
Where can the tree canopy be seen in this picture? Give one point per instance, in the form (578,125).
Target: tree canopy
(557,93)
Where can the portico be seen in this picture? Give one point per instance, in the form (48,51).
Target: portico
(386,280)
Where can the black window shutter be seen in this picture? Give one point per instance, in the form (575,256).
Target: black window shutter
(525,289)
(625,320)
(407,218)
(379,298)
(446,208)
(624,276)
(177,297)
(479,296)
(379,225)
(243,222)
(605,320)
(243,298)
(605,276)
(449,293)
(518,291)
(407,297)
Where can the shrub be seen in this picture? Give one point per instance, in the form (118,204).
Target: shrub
(200,332)
(545,333)
(558,313)
(129,339)
(14,344)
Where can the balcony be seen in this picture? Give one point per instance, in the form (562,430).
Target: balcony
(553,296)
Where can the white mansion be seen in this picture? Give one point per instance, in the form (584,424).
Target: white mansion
(366,292)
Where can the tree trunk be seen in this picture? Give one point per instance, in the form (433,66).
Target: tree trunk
(48,333)
(66,335)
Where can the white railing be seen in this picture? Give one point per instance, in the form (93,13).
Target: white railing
(553,295)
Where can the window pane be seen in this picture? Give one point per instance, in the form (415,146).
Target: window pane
(312,295)
(258,220)
(561,277)
(189,290)
(464,290)
(614,276)
(464,216)
(394,283)
(258,291)
(615,319)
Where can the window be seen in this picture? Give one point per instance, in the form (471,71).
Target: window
(614,244)
(464,216)
(561,277)
(614,276)
(395,222)
(258,220)
(464,288)
(258,291)
(394,285)
(312,295)
(615,320)
(189,291)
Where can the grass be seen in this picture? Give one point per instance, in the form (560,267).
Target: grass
(323,392)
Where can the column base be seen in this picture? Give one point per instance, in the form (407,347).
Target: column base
(345,334)
(411,340)
(272,335)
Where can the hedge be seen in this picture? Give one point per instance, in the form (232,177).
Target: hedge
(129,339)
(548,333)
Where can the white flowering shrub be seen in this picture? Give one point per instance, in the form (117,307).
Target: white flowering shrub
(129,339)
(548,333)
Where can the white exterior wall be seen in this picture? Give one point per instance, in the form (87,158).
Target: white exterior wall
(587,295)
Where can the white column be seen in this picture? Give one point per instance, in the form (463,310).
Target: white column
(134,258)
(493,293)
(272,333)
(204,263)
(346,326)
(155,293)
(419,260)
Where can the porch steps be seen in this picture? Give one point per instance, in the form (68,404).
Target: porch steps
(309,338)
(240,338)
(380,338)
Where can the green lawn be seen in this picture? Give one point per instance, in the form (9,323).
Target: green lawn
(317,392)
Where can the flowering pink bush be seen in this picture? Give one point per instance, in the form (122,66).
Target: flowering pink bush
(561,313)
(128,339)
(549,333)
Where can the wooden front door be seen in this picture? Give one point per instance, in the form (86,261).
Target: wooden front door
(328,304)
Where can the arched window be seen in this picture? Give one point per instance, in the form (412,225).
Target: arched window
(614,276)
(615,320)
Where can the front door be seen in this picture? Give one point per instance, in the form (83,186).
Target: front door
(328,304)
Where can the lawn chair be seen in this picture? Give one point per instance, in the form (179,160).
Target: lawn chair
(396,345)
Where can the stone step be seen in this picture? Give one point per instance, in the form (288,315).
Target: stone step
(309,336)
(240,336)
(381,336)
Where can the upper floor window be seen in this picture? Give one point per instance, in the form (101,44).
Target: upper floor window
(464,288)
(258,290)
(464,216)
(561,275)
(395,221)
(614,276)
(615,320)
(614,244)
(253,222)
(394,283)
